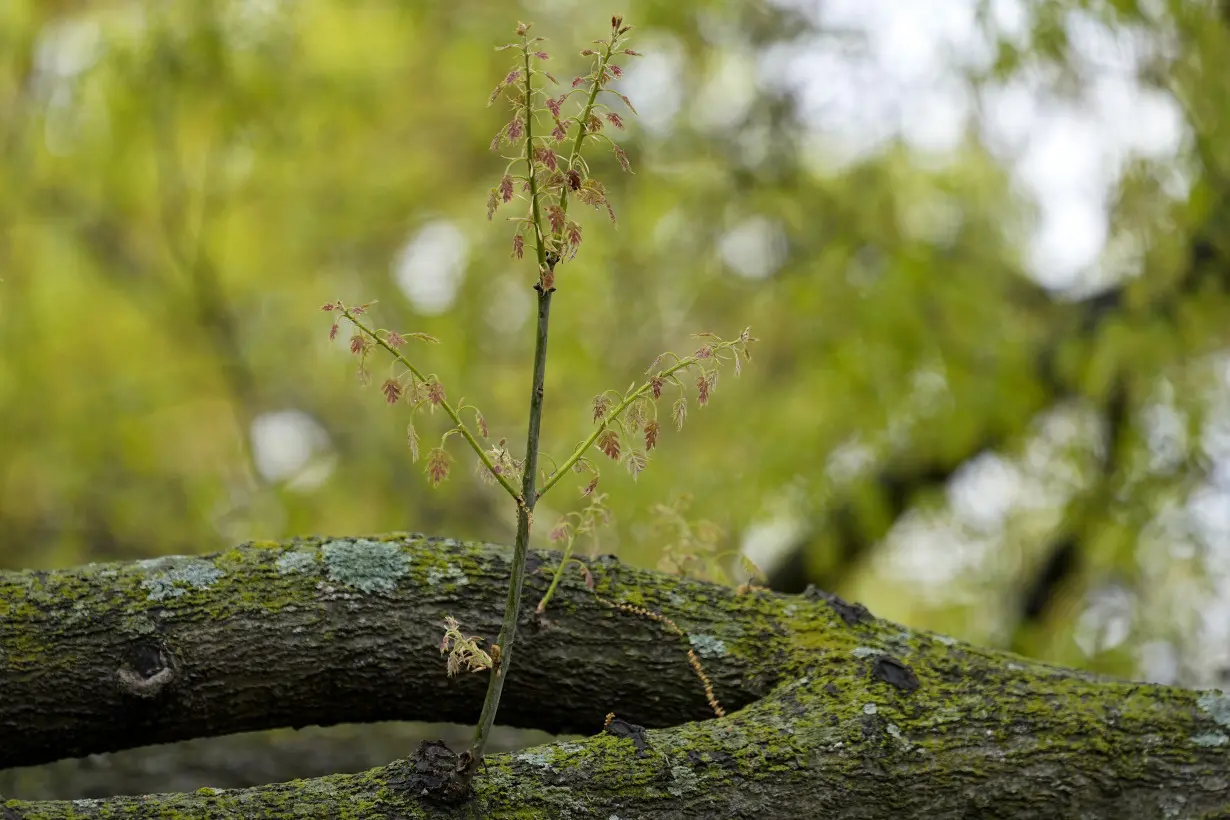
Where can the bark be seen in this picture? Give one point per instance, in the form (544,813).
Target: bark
(244,760)
(831,711)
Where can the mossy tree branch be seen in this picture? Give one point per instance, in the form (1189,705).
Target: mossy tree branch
(832,711)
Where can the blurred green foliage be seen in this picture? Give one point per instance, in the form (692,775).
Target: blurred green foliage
(183,184)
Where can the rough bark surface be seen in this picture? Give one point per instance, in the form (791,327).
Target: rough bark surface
(832,712)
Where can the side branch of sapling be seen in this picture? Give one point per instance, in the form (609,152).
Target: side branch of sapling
(614,414)
(449,410)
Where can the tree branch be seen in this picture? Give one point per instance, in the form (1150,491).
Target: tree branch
(838,712)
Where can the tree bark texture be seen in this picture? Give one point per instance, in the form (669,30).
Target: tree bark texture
(831,712)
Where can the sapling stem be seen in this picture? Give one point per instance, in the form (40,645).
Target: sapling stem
(525,517)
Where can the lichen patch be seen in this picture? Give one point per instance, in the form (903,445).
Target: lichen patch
(180,576)
(708,646)
(1210,739)
(369,566)
(296,561)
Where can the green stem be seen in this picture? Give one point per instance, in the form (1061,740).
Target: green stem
(559,573)
(448,408)
(512,606)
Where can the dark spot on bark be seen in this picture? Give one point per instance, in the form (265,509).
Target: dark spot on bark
(622,728)
(434,772)
(831,689)
(869,727)
(11,814)
(894,672)
(147,659)
(147,670)
(850,613)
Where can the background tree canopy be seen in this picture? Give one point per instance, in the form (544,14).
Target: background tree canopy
(984,246)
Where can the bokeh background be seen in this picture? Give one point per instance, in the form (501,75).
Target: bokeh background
(984,244)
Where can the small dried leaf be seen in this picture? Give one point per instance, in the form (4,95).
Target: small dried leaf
(679,412)
(608,443)
(651,435)
(635,463)
(634,418)
(589,488)
(412,441)
(622,157)
(561,531)
(392,390)
(435,393)
(601,404)
(438,464)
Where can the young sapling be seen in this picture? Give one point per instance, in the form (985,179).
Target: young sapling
(545,172)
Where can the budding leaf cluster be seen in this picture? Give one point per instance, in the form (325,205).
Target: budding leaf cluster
(548,131)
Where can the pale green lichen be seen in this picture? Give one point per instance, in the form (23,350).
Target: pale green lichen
(296,561)
(182,575)
(542,759)
(369,566)
(946,640)
(684,781)
(138,625)
(869,709)
(450,575)
(864,651)
(1210,739)
(708,646)
(1217,705)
